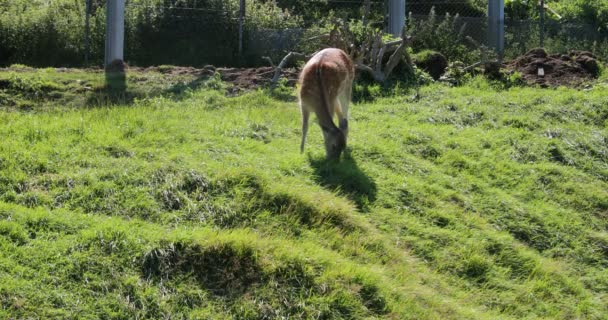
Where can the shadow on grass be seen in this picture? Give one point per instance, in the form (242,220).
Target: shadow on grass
(114,90)
(179,91)
(206,77)
(345,177)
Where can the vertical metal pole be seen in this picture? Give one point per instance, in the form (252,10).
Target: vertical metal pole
(115,31)
(87,32)
(496,25)
(241,26)
(396,17)
(542,23)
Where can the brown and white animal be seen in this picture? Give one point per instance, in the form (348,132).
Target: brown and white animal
(325,89)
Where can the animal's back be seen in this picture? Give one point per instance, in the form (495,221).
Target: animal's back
(334,66)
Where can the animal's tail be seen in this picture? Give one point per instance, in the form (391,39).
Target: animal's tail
(327,124)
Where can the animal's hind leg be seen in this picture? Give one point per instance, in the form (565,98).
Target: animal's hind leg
(344,100)
(305,117)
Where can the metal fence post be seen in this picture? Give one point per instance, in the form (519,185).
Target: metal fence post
(115,31)
(542,23)
(396,17)
(496,25)
(87,32)
(241,26)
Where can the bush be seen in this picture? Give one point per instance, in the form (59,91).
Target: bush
(471,8)
(156,31)
(432,62)
(36,34)
(445,35)
(316,12)
(592,12)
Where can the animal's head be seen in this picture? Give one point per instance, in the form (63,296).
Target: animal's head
(335,143)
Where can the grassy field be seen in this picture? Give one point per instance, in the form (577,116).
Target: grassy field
(469,202)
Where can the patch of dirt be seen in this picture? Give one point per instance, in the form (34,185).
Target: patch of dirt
(540,68)
(179,71)
(240,79)
(244,79)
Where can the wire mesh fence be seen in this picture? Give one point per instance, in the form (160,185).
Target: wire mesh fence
(556,35)
(200,32)
(180,33)
(461,21)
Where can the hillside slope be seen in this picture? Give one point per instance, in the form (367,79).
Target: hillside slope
(467,203)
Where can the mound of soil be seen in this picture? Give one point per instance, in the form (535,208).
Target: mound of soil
(538,67)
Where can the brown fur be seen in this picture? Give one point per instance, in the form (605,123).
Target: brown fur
(325,89)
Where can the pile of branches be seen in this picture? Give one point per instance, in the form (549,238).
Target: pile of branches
(370,55)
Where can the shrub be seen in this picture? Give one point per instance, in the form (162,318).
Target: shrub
(445,35)
(156,31)
(432,62)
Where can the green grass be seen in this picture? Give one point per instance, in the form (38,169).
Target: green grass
(466,202)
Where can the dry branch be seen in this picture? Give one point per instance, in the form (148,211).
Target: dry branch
(374,62)
(287,59)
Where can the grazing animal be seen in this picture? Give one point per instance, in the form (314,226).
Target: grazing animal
(325,89)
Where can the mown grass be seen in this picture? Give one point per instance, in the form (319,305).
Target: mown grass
(468,202)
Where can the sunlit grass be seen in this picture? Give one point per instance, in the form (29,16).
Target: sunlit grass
(470,202)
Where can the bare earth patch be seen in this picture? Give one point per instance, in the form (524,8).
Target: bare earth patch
(540,68)
(240,79)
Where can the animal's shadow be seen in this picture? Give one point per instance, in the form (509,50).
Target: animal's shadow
(345,177)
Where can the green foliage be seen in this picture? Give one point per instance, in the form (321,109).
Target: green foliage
(156,31)
(41,34)
(456,74)
(520,9)
(267,15)
(424,55)
(593,12)
(366,91)
(316,12)
(283,91)
(516,79)
(32,87)
(215,82)
(444,35)
(468,8)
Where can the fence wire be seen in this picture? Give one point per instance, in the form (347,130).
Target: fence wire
(521,35)
(199,32)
